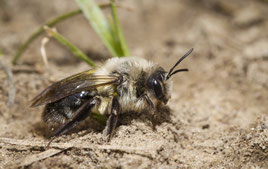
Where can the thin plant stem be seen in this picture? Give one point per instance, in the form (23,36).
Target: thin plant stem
(37,33)
(50,23)
(77,52)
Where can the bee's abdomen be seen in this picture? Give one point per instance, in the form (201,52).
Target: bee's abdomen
(58,112)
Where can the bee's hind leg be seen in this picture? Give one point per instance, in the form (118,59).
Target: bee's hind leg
(112,120)
(81,114)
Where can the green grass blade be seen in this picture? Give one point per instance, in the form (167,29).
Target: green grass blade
(77,52)
(124,51)
(98,21)
(117,46)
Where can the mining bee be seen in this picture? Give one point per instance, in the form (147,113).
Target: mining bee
(120,85)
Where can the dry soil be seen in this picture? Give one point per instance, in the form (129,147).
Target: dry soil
(218,111)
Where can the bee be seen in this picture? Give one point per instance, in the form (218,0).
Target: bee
(128,84)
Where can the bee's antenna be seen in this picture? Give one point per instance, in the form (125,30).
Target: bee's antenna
(170,73)
(176,71)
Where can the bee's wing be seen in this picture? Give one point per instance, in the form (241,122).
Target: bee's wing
(84,81)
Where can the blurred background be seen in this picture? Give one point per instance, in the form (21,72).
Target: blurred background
(219,109)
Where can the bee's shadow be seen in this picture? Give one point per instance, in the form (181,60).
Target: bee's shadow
(163,115)
(87,126)
(126,118)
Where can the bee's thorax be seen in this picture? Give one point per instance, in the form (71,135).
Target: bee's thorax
(135,73)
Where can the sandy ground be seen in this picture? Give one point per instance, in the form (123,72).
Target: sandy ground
(218,111)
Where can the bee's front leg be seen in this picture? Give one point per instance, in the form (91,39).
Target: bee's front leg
(113,117)
(153,109)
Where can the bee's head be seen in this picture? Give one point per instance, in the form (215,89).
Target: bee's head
(157,83)
(157,86)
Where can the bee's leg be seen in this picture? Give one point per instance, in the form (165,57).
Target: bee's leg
(153,121)
(112,120)
(152,107)
(81,114)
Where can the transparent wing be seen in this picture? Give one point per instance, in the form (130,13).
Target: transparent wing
(84,81)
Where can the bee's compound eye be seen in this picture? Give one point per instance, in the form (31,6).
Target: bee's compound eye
(156,86)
